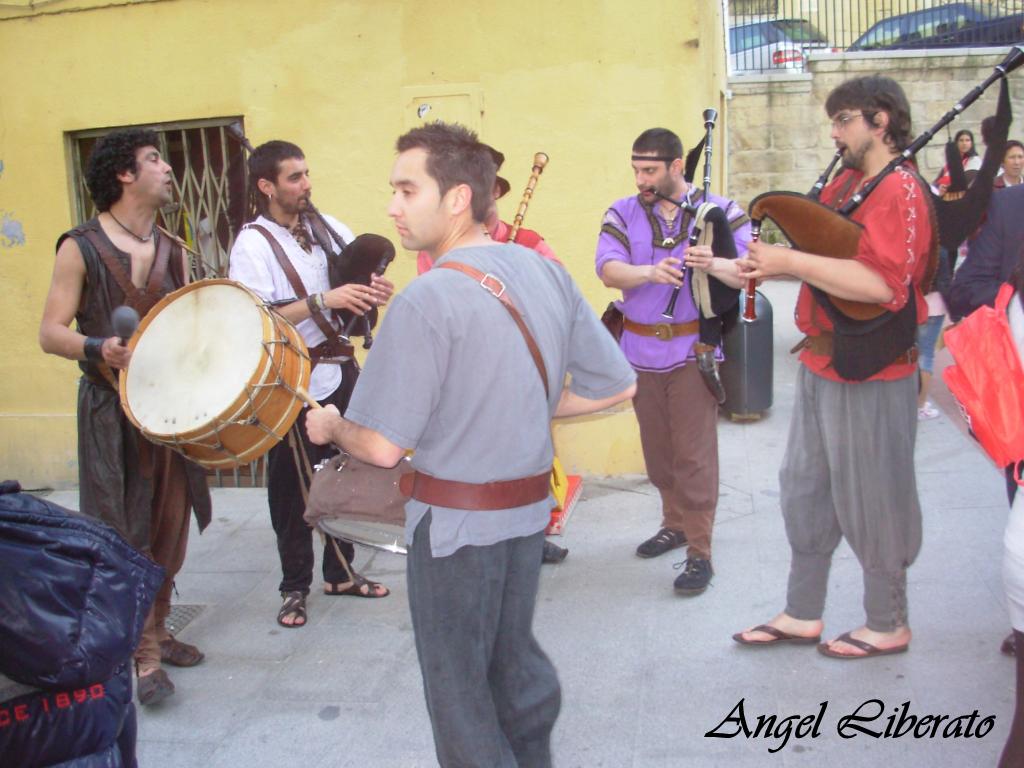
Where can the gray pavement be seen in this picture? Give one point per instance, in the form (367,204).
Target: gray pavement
(645,673)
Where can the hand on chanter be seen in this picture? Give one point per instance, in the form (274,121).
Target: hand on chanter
(351,296)
(320,424)
(383,289)
(666,272)
(764,260)
(699,257)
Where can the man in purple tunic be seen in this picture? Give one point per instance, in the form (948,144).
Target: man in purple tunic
(643,251)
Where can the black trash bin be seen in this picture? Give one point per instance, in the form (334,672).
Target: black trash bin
(747,370)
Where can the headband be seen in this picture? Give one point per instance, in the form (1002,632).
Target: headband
(663,158)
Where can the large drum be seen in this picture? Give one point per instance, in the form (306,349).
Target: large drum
(214,374)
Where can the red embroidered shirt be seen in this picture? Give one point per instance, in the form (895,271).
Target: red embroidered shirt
(894,243)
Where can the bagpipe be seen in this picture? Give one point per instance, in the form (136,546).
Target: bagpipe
(540,160)
(714,300)
(867,336)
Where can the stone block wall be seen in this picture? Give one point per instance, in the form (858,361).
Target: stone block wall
(779,134)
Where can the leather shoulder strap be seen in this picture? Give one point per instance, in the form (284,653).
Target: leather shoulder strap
(293,278)
(496,288)
(179,271)
(282,260)
(160,261)
(122,278)
(324,234)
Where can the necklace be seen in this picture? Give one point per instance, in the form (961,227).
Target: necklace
(141,239)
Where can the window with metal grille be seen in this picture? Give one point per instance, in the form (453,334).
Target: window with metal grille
(209,183)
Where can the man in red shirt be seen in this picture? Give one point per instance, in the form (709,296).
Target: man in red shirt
(849,464)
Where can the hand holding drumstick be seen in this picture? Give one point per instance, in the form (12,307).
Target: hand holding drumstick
(320,421)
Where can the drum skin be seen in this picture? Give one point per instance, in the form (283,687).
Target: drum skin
(213,374)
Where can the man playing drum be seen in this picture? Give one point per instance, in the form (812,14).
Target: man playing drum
(142,489)
(848,470)
(281,256)
(452,376)
(499,232)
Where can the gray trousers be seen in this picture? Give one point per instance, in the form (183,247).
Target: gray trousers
(849,471)
(492,694)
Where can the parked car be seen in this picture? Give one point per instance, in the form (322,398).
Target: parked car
(945,26)
(774,44)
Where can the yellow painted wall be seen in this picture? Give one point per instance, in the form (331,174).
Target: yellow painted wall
(577,80)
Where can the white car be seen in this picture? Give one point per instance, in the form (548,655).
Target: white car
(773,45)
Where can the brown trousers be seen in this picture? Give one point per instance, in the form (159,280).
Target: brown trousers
(168,539)
(678,420)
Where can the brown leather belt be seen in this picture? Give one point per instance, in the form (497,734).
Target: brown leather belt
(327,349)
(822,345)
(661,331)
(504,494)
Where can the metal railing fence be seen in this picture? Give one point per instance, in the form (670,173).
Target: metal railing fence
(778,36)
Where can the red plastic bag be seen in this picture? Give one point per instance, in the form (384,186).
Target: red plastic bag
(988,381)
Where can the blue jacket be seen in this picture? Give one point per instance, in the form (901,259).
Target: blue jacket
(992,255)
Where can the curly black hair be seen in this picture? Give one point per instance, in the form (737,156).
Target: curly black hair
(114,154)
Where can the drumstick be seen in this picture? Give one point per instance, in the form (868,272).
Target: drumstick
(307,398)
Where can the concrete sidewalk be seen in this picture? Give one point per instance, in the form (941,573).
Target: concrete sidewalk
(645,673)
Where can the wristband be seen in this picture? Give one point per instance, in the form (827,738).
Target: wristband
(94,349)
(319,298)
(314,303)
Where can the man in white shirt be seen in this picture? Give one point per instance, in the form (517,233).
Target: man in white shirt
(282,256)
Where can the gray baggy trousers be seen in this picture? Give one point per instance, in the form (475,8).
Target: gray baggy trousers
(849,471)
(492,694)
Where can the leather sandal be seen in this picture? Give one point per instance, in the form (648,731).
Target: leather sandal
(294,605)
(179,654)
(358,586)
(154,688)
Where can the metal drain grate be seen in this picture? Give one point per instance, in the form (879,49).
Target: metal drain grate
(181,615)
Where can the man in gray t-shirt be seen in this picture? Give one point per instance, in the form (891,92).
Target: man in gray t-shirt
(451,376)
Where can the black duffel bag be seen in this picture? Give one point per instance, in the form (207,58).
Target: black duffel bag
(89,727)
(74,594)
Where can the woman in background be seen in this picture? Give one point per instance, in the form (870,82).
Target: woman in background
(968,157)
(1013,166)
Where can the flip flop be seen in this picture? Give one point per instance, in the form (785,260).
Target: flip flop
(868,648)
(778,636)
(355,588)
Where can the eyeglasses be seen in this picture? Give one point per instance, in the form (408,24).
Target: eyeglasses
(842,120)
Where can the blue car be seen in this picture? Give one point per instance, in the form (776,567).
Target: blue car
(955,25)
